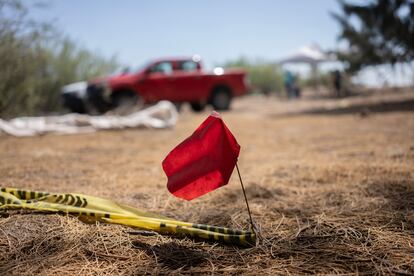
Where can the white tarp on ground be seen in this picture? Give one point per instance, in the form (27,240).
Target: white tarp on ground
(162,115)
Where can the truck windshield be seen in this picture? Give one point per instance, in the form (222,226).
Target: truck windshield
(129,70)
(141,67)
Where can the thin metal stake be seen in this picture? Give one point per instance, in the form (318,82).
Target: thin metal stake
(245,198)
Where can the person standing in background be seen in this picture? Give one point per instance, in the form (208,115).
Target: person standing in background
(337,83)
(289,80)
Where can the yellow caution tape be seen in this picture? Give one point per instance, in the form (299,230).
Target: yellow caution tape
(90,209)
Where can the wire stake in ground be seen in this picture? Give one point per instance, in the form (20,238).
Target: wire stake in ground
(247,202)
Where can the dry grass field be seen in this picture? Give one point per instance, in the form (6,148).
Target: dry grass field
(330,184)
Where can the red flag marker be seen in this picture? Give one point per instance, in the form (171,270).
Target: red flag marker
(204,161)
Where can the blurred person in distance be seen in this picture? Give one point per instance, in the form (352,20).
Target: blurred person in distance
(288,80)
(336,78)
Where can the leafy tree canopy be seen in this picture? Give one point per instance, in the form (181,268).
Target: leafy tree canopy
(378,32)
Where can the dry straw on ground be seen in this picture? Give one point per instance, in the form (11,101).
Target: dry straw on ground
(332,193)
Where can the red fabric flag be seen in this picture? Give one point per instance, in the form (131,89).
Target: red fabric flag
(204,161)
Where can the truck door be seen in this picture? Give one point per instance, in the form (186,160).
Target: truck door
(157,84)
(187,81)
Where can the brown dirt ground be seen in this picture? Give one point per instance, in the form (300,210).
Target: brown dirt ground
(330,183)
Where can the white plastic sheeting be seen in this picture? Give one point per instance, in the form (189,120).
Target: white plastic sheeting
(162,115)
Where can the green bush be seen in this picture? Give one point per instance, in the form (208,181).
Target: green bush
(265,77)
(36,62)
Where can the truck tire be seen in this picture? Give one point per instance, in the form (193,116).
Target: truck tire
(96,104)
(125,101)
(197,107)
(221,99)
(178,106)
(73,103)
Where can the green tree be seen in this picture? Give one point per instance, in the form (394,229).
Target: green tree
(36,61)
(378,32)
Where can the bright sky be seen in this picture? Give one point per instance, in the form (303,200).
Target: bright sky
(137,31)
(218,30)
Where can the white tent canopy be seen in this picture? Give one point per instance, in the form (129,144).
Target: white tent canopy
(311,54)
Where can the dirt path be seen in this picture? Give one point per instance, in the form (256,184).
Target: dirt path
(332,192)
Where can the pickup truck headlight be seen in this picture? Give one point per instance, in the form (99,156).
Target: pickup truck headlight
(218,71)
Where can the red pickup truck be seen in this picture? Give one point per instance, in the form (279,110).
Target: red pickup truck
(178,80)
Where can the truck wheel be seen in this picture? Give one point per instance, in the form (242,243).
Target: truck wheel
(73,103)
(124,101)
(96,104)
(221,99)
(178,106)
(197,107)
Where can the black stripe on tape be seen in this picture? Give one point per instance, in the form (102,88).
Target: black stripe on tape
(249,238)
(65,199)
(238,232)
(212,228)
(200,226)
(220,230)
(58,199)
(221,238)
(235,239)
(85,203)
(78,202)
(21,194)
(71,200)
